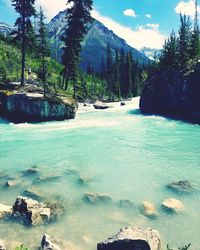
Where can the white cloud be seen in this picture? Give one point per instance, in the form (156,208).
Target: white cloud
(148,16)
(138,38)
(52,7)
(130,12)
(187,8)
(153,25)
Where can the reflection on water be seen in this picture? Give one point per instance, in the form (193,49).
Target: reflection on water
(129,157)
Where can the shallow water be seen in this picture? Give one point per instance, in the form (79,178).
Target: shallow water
(123,154)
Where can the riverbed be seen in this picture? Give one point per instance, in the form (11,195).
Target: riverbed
(117,152)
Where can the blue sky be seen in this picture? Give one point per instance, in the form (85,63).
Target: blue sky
(140,22)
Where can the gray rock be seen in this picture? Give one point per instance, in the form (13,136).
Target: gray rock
(122,103)
(130,238)
(96,197)
(149,210)
(181,186)
(2,245)
(49,243)
(31,211)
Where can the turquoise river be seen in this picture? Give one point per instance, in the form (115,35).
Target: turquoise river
(120,153)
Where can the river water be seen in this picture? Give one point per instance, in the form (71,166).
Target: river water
(120,153)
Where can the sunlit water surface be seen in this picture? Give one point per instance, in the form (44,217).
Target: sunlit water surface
(123,154)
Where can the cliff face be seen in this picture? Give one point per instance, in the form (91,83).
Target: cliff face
(173,93)
(29,107)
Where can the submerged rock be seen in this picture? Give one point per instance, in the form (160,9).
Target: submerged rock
(31,171)
(2,245)
(127,204)
(149,209)
(31,211)
(173,205)
(132,238)
(35,194)
(181,186)
(48,178)
(5,211)
(96,197)
(24,106)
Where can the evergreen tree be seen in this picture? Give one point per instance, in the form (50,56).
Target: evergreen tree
(184,41)
(78,17)
(109,69)
(169,53)
(26,10)
(122,72)
(195,44)
(117,74)
(128,81)
(43,46)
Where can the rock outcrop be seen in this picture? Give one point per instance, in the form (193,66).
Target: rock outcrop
(23,106)
(132,238)
(173,93)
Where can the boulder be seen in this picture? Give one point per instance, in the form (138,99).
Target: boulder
(181,186)
(172,205)
(5,211)
(49,243)
(2,245)
(130,238)
(149,209)
(96,197)
(100,105)
(31,211)
(122,103)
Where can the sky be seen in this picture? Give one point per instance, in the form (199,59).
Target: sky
(142,23)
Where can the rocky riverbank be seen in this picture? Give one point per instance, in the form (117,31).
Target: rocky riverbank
(29,105)
(173,93)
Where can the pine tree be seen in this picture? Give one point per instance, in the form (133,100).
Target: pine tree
(78,17)
(122,73)
(26,10)
(109,69)
(195,43)
(117,74)
(184,41)
(128,82)
(43,46)
(169,53)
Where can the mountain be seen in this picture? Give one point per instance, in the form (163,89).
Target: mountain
(5,29)
(150,53)
(94,45)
